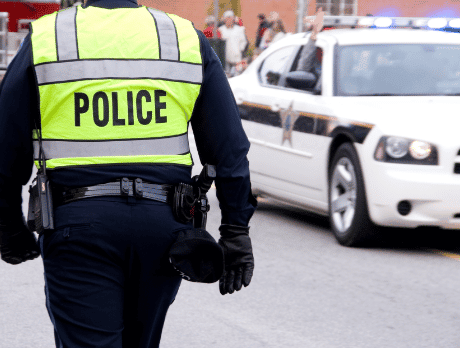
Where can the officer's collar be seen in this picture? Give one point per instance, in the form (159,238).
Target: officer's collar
(111,3)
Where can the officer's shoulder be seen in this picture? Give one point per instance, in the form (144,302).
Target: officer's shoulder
(48,16)
(203,39)
(175,16)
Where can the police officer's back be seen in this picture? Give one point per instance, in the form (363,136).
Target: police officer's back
(106,92)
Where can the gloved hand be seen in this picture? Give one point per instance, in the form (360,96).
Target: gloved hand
(17,243)
(239,260)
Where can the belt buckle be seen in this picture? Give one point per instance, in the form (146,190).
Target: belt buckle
(124,187)
(138,188)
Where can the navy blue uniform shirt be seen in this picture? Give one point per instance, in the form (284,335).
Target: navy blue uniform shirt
(215,121)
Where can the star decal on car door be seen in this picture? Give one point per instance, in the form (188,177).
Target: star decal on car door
(288,118)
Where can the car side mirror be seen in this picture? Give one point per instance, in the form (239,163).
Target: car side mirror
(273,77)
(301,80)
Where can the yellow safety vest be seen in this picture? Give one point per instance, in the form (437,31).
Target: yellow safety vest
(116,86)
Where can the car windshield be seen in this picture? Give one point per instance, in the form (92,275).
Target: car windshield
(398,69)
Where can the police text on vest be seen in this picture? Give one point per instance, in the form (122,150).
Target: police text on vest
(101,99)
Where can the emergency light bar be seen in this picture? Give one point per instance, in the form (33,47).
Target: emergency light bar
(387,22)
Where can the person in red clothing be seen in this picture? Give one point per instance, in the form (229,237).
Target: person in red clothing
(263,25)
(209,30)
(238,21)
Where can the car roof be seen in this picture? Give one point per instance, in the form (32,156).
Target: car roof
(380,36)
(383,36)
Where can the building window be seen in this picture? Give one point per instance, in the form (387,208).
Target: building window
(338,7)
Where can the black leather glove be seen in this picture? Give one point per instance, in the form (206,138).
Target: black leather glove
(239,260)
(17,243)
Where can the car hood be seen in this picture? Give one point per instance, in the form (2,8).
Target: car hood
(424,118)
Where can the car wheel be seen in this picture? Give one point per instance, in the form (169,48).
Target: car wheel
(348,213)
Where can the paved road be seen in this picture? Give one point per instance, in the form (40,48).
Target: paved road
(307,291)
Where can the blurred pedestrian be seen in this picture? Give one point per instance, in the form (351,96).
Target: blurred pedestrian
(209,30)
(275,32)
(263,25)
(236,42)
(239,21)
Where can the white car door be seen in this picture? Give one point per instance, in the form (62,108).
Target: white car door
(280,157)
(310,135)
(260,113)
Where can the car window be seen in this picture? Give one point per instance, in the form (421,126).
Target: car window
(308,60)
(274,65)
(398,69)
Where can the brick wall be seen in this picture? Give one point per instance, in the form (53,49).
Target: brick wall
(196,10)
(410,8)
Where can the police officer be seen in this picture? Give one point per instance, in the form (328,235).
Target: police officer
(110,88)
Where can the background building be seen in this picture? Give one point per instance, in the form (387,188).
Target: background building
(197,10)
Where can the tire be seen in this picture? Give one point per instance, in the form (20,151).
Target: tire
(348,212)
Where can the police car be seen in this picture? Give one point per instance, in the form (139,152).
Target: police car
(374,140)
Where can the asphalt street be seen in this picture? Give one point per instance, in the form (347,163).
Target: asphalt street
(307,291)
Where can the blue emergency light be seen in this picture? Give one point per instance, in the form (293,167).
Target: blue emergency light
(447,24)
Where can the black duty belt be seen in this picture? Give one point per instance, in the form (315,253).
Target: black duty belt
(124,188)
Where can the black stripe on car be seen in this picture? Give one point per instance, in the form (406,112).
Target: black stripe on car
(309,123)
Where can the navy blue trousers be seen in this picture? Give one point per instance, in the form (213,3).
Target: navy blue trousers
(108,280)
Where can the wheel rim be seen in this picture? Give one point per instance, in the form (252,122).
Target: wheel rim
(343,195)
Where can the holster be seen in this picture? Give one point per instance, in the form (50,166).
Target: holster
(41,214)
(201,212)
(190,201)
(183,203)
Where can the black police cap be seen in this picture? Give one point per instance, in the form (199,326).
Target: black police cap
(197,256)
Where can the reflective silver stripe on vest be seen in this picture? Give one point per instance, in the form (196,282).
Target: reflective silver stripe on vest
(167,35)
(54,149)
(118,69)
(66,34)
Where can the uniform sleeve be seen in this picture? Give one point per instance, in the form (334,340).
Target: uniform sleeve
(307,57)
(221,140)
(18,104)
